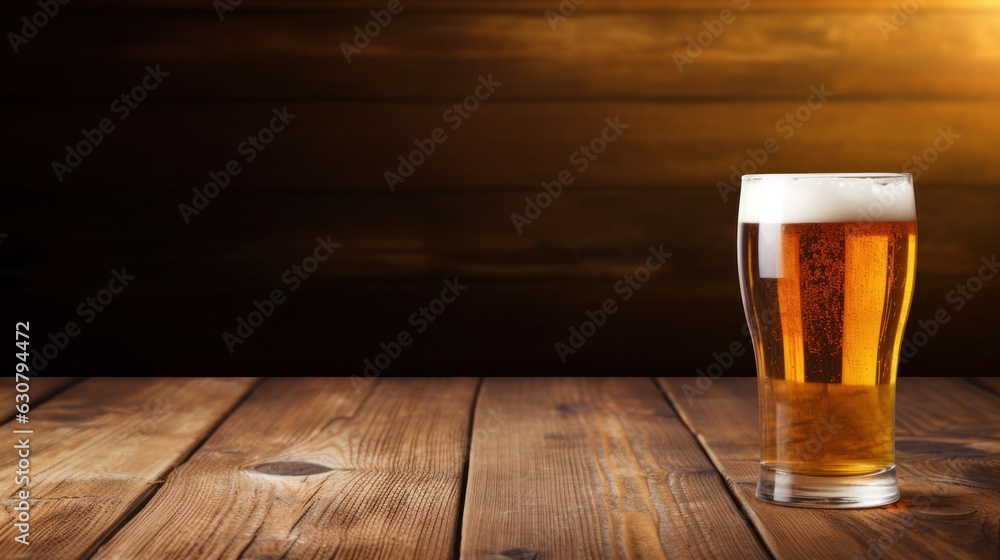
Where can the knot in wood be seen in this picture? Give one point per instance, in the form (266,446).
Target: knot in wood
(571,408)
(520,554)
(290,468)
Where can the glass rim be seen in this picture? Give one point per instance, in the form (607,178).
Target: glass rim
(759,176)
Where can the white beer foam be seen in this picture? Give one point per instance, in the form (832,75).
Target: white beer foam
(827,198)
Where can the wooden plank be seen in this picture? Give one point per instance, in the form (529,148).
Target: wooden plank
(501,145)
(99,450)
(762,55)
(193,282)
(583,234)
(503,326)
(534,6)
(41,388)
(310,468)
(947,457)
(473,235)
(990,384)
(592,468)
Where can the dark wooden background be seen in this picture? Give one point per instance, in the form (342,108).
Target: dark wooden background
(324,176)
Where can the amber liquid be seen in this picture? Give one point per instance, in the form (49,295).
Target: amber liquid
(827,304)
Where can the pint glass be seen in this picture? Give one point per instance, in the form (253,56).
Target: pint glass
(826,264)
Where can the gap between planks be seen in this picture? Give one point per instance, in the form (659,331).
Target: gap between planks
(594,468)
(946,454)
(463,489)
(106,444)
(143,500)
(752,519)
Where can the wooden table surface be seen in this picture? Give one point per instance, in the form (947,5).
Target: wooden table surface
(493,469)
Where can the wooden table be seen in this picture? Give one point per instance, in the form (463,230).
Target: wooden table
(494,469)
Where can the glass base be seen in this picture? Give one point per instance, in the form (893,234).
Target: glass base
(801,490)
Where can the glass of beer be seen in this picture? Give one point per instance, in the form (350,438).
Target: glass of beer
(826,265)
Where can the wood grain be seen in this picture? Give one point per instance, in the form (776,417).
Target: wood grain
(592,468)
(310,468)
(437,57)
(41,388)
(396,249)
(193,282)
(503,326)
(501,145)
(990,384)
(250,237)
(947,457)
(99,450)
(325,174)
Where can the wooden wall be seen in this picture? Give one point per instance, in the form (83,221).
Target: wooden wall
(893,92)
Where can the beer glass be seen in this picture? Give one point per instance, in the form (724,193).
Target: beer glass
(826,264)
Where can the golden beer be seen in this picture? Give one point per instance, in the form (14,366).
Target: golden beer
(826,271)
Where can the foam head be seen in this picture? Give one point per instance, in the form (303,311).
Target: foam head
(827,197)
